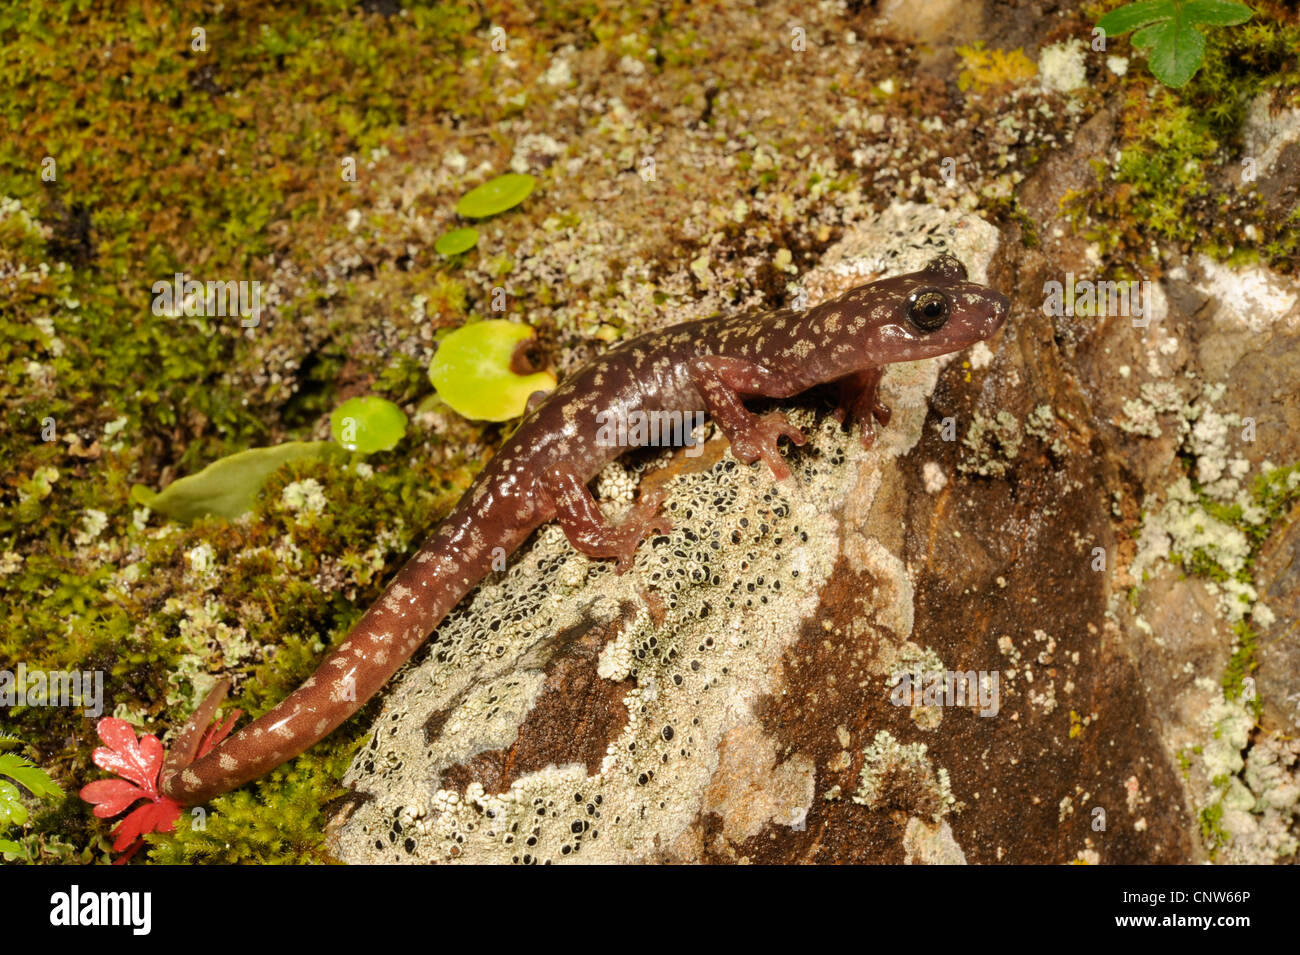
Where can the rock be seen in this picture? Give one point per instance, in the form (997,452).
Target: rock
(505,742)
(1278,576)
(973,643)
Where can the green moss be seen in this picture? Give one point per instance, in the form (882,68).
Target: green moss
(1242,664)
(173,159)
(1173,145)
(1212,831)
(280,819)
(1273,494)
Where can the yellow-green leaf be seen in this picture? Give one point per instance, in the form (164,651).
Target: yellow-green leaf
(496,195)
(368,424)
(471,371)
(456,241)
(228,486)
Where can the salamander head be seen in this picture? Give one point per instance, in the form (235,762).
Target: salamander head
(931,312)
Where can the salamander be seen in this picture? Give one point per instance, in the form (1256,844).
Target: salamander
(542,471)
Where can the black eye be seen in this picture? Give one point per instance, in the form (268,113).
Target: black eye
(928,311)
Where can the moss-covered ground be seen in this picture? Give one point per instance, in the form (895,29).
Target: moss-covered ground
(146,139)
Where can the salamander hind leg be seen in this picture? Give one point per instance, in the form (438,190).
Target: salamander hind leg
(586,527)
(720,382)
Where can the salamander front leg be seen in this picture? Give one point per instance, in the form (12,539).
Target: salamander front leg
(859,400)
(721,381)
(585,526)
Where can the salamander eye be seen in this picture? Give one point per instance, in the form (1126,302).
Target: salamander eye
(928,310)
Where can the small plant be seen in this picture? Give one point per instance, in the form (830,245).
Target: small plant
(18,771)
(139,763)
(1168,29)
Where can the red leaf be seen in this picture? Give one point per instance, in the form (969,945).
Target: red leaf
(157,816)
(111,796)
(125,857)
(217,732)
(139,762)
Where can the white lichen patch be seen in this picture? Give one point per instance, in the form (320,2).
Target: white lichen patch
(874,249)
(734,581)
(208,643)
(1043,424)
(1253,788)
(895,774)
(1181,528)
(93,522)
(930,843)
(616,485)
(618,658)
(1195,527)
(980,356)
(487,717)
(1253,297)
(1061,67)
(304,498)
(991,444)
(10,562)
(933,477)
(200,561)
(1141,415)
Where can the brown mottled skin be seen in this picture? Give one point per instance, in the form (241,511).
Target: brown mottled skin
(541,474)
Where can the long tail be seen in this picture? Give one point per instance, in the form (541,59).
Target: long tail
(429,585)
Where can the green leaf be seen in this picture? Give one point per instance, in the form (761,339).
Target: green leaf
(1216,13)
(471,371)
(1149,36)
(27,774)
(228,486)
(456,241)
(12,810)
(495,195)
(1168,31)
(1123,19)
(1175,55)
(10,850)
(368,424)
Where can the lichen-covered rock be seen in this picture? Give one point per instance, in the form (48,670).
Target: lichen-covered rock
(762,686)
(562,713)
